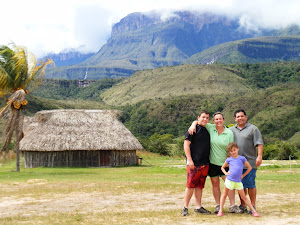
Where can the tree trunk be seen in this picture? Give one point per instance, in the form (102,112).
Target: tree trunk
(19,136)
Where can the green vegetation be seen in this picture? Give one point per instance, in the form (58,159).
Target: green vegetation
(295,139)
(158,143)
(68,89)
(281,150)
(263,75)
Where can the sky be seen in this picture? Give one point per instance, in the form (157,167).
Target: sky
(45,27)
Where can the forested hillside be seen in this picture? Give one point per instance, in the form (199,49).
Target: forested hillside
(160,104)
(174,81)
(69,89)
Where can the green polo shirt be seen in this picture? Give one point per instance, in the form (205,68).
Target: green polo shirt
(218,144)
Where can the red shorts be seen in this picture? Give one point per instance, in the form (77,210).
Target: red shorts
(196,177)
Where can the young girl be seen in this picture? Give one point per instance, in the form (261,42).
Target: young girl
(234,177)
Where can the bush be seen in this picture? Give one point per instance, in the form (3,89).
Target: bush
(281,150)
(158,143)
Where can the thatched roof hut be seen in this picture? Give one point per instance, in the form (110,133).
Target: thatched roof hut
(78,138)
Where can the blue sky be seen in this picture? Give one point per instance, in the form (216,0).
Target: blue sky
(56,25)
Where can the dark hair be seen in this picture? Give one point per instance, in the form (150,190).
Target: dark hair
(239,110)
(218,113)
(231,145)
(203,111)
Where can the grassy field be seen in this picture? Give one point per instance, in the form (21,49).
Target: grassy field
(151,193)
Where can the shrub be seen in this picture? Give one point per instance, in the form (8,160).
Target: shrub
(280,150)
(158,143)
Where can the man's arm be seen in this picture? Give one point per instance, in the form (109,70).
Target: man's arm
(188,155)
(260,150)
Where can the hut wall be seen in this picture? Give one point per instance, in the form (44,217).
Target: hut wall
(123,158)
(79,158)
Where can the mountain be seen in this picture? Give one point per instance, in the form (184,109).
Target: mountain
(68,57)
(146,40)
(253,50)
(142,41)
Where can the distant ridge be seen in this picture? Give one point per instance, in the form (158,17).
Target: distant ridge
(253,50)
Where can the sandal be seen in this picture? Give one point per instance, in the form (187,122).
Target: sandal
(220,213)
(255,214)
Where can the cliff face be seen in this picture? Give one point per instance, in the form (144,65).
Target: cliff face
(134,21)
(143,41)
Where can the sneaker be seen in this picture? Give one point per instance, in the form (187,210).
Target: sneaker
(234,209)
(185,211)
(217,209)
(220,214)
(243,209)
(202,211)
(250,211)
(255,214)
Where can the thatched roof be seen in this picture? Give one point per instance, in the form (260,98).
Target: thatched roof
(61,130)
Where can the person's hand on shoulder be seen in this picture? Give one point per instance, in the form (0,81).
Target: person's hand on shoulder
(192,128)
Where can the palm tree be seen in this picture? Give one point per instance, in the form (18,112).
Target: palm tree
(19,73)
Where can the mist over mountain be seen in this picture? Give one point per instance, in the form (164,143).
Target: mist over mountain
(68,58)
(146,41)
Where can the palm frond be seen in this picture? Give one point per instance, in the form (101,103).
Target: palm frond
(5,82)
(21,68)
(6,79)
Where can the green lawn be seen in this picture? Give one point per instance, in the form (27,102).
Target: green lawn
(151,193)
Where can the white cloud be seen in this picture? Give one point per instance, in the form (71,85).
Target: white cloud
(61,24)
